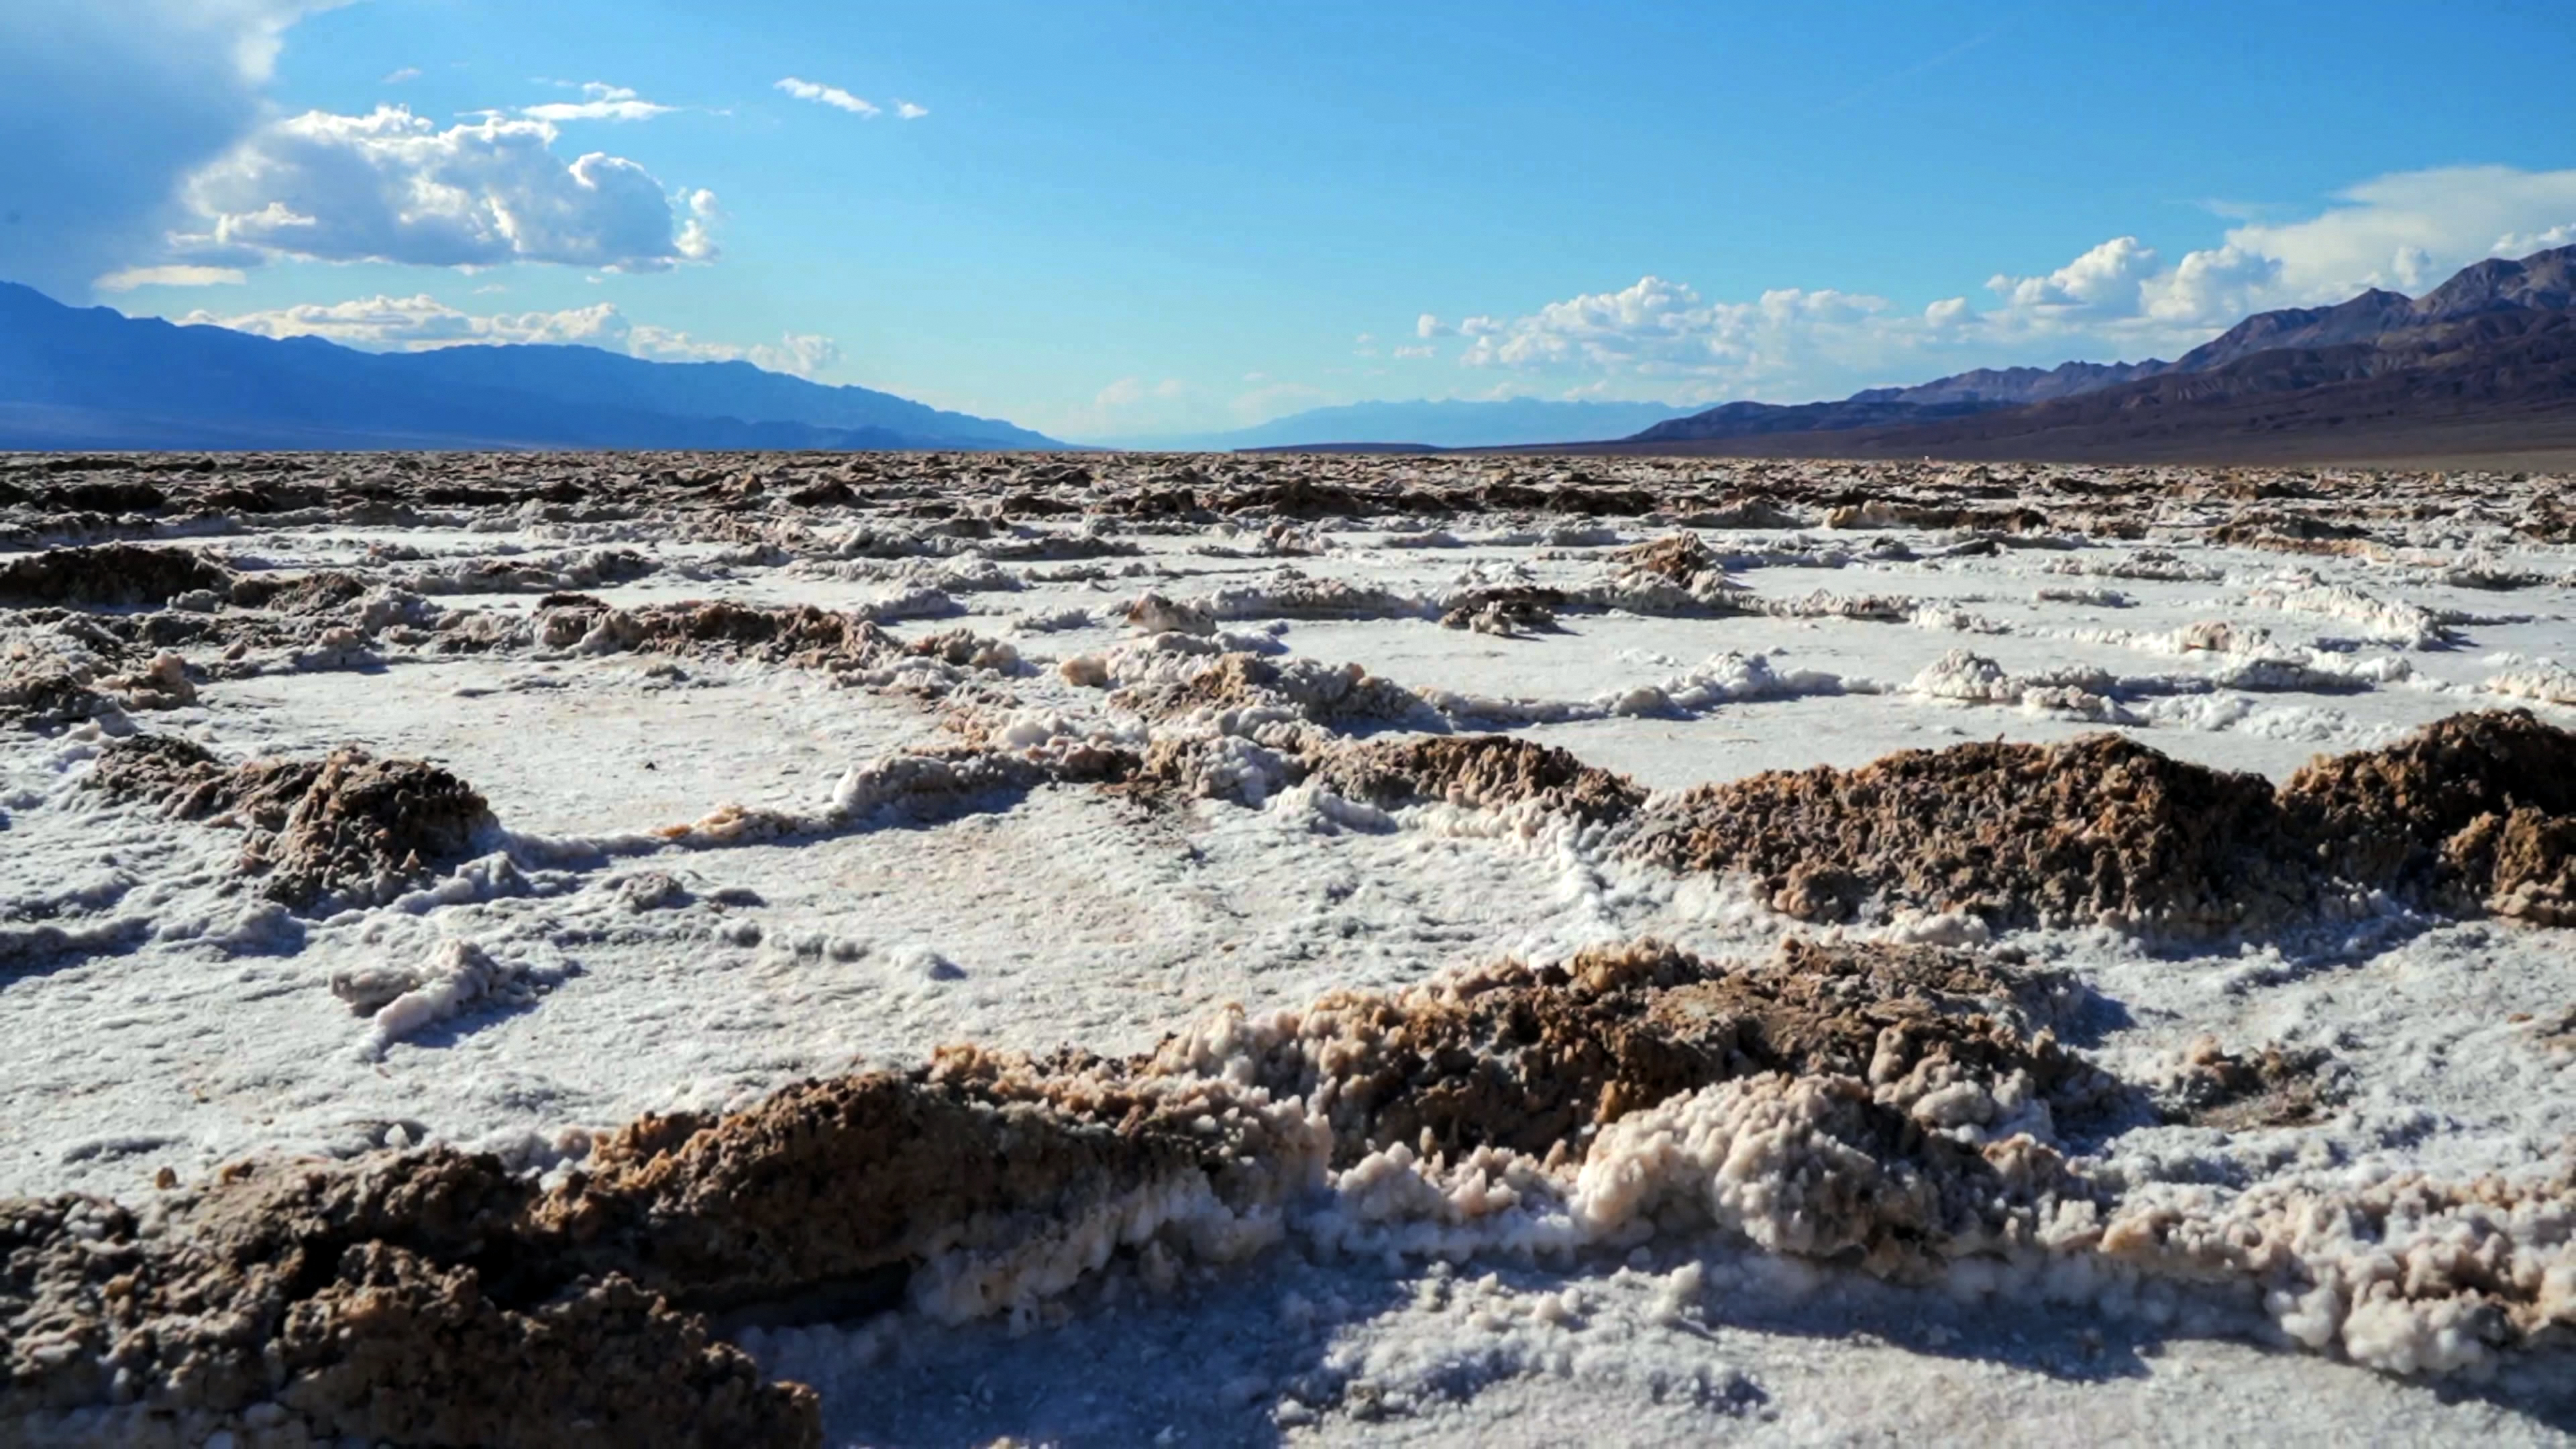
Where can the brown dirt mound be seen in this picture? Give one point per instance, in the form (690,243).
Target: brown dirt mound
(1478,771)
(346,825)
(2477,811)
(2099,827)
(396,1303)
(801,636)
(314,593)
(2477,808)
(1322,693)
(1533,1060)
(110,575)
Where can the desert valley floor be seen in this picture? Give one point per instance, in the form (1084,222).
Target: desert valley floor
(926,949)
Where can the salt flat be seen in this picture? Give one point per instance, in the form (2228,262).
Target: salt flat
(928,948)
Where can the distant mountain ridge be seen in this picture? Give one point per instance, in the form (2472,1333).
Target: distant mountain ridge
(1444,424)
(92,378)
(2494,347)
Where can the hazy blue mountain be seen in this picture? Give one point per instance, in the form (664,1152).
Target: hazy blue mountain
(93,378)
(1433,424)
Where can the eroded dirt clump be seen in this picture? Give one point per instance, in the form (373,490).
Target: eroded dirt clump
(43,690)
(799,636)
(1513,610)
(1533,1060)
(2475,812)
(109,575)
(346,825)
(1679,557)
(2100,828)
(2477,809)
(400,1301)
(2274,1087)
(1300,688)
(1477,771)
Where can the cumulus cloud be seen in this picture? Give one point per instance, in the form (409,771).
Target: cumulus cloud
(391,186)
(2104,282)
(599,102)
(2405,233)
(398,77)
(107,108)
(907,111)
(1665,330)
(833,96)
(2122,298)
(421,323)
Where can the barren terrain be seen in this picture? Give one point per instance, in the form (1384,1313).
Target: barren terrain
(918,949)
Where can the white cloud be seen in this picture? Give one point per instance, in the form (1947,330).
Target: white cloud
(395,78)
(1427,327)
(391,186)
(907,111)
(422,323)
(599,102)
(1664,330)
(106,107)
(2405,232)
(2524,243)
(1417,352)
(133,277)
(2104,282)
(834,96)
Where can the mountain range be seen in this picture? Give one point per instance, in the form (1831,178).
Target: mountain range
(2484,363)
(92,378)
(1448,424)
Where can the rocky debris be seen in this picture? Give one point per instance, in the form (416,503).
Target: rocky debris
(348,825)
(108,576)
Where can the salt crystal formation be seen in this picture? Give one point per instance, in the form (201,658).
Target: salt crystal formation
(607,950)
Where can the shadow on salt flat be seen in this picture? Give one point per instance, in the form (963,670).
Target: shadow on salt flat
(1716,1342)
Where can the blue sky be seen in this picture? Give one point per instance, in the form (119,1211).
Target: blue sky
(1122,219)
